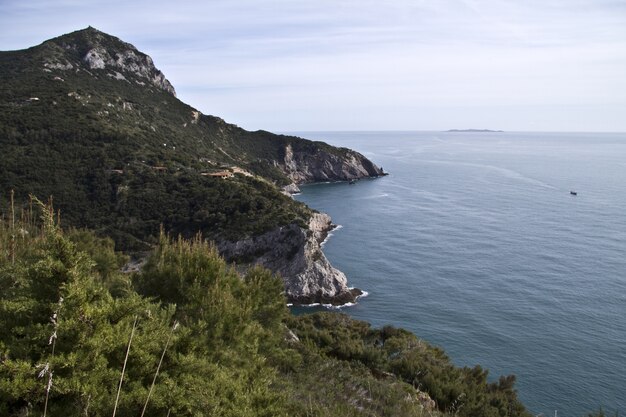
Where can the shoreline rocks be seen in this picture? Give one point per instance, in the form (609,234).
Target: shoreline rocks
(295,254)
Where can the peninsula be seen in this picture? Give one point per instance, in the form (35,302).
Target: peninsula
(200,325)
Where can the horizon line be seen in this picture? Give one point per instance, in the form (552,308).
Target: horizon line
(441,131)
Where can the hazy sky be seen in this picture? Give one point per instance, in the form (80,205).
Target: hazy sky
(368,65)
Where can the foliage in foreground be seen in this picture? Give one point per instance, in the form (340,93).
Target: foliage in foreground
(398,356)
(203,341)
(65,335)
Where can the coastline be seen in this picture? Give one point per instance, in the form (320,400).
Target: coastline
(330,234)
(330,306)
(343,299)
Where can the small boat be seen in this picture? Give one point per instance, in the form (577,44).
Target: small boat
(352,182)
(573,193)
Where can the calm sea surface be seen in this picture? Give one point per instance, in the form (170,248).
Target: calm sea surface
(475,244)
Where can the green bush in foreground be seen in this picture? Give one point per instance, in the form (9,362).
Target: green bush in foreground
(64,336)
(203,340)
(398,354)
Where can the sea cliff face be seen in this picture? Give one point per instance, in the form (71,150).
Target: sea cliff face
(304,166)
(295,254)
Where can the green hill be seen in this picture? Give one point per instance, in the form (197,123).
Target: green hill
(89,120)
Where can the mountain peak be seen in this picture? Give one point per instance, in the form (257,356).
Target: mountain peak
(99,51)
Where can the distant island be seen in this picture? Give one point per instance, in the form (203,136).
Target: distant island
(475,130)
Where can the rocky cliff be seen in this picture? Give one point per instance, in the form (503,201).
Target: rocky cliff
(99,53)
(303,166)
(309,277)
(295,254)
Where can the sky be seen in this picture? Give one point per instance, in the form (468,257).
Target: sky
(292,65)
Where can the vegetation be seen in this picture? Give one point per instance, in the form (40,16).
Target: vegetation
(189,336)
(65,331)
(122,156)
(99,185)
(397,355)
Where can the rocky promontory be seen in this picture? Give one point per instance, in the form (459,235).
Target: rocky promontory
(305,166)
(295,254)
(341,164)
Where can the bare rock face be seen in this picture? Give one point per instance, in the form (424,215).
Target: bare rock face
(306,166)
(94,58)
(101,52)
(291,189)
(129,60)
(295,254)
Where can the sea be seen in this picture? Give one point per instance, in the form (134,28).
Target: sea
(475,242)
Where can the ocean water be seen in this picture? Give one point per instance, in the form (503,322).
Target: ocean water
(475,244)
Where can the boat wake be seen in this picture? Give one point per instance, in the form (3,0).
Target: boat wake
(505,172)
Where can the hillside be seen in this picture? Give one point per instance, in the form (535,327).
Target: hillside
(89,120)
(188,336)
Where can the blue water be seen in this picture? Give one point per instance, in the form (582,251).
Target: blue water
(475,244)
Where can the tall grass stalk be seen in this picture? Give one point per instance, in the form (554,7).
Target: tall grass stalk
(52,341)
(145,406)
(119,388)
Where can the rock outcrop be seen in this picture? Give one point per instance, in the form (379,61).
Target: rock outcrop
(291,189)
(98,51)
(304,166)
(295,254)
(309,277)
(131,61)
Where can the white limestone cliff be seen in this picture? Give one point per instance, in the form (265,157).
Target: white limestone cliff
(295,254)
